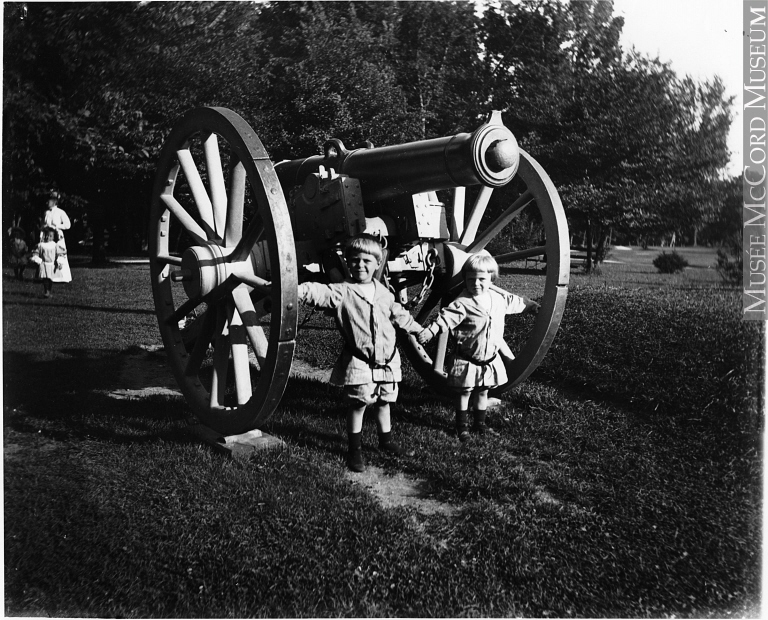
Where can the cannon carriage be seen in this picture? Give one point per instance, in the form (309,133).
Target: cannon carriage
(232,235)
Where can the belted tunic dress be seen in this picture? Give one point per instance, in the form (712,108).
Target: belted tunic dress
(370,353)
(477,333)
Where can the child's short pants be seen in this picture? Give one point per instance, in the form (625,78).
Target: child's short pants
(369,393)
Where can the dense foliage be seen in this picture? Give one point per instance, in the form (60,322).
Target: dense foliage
(91,89)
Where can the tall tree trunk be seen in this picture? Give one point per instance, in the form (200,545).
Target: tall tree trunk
(600,249)
(423,116)
(589,245)
(98,224)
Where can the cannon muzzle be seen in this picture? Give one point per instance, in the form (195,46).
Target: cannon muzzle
(489,156)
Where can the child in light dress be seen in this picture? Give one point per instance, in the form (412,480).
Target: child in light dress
(369,364)
(476,322)
(48,256)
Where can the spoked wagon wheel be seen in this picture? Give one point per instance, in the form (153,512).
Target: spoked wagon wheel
(223,268)
(531,197)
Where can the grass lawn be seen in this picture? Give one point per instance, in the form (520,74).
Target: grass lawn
(625,478)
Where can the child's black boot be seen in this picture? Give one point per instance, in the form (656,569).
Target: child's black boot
(462,425)
(386,444)
(355,452)
(478,425)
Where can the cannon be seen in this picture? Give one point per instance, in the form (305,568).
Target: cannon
(232,234)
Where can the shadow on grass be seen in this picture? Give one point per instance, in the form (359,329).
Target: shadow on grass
(70,306)
(87,394)
(73,398)
(29,294)
(87,263)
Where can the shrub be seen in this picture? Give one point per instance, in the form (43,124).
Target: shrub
(730,268)
(669,263)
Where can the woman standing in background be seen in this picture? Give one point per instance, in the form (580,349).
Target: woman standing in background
(56,218)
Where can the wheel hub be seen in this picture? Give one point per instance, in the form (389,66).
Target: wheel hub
(204,269)
(455,257)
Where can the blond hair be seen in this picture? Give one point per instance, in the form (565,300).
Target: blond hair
(364,244)
(482,261)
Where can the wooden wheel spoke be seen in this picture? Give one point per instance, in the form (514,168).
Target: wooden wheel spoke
(216,183)
(262,306)
(457,221)
(197,187)
(250,238)
(168,260)
(250,319)
(476,215)
(183,310)
(243,272)
(185,219)
(255,230)
(215,296)
(501,222)
(442,345)
(236,202)
(214,159)
(203,339)
(221,350)
(240,363)
(508,257)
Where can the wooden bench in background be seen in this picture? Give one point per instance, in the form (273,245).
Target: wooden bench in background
(578,255)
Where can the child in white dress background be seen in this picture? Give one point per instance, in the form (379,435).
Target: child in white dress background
(48,256)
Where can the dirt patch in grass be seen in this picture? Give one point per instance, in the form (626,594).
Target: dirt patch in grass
(394,491)
(146,372)
(25,445)
(300,368)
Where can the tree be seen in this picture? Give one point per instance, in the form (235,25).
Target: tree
(436,54)
(89,116)
(324,75)
(726,229)
(551,62)
(630,145)
(92,89)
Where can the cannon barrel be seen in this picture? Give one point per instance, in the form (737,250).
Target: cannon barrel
(489,156)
